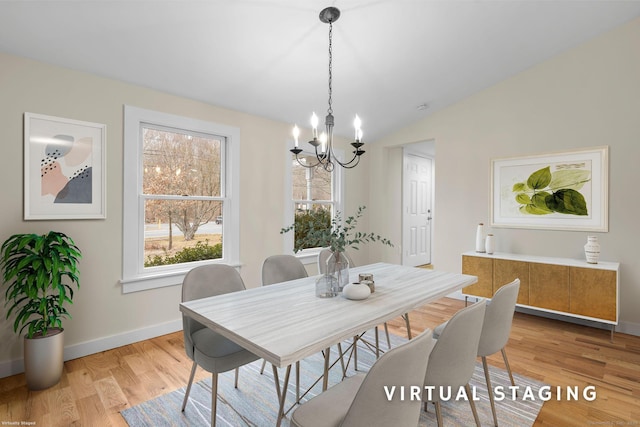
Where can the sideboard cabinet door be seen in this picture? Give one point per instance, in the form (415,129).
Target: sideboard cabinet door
(506,271)
(593,293)
(483,268)
(549,286)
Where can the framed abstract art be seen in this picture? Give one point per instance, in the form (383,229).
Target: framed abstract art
(64,168)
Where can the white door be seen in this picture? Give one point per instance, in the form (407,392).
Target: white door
(417,209)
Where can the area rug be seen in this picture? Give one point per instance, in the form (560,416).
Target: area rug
(254,402)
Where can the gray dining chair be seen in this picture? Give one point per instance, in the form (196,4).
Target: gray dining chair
(496,329)
(453,358)
(208,349)
(281,268)
(361,400)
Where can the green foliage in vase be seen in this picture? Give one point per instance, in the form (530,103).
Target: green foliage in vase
(337,235)
(39,271)
(546,192)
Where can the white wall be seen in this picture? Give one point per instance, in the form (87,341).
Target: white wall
(588,96)
(102,316)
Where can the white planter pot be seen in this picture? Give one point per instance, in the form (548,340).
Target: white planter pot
(44,359)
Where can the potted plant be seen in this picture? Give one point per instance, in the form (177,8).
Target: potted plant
(40,272)
(338,235)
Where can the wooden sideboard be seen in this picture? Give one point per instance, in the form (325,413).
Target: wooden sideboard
(569,287)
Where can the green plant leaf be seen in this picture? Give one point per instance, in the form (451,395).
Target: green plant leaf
(523,199)
(569,179)
(519,187)
(533,210)
(539,201)
(567,201)
(540,179)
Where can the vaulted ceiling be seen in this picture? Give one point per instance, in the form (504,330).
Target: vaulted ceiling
(270,57)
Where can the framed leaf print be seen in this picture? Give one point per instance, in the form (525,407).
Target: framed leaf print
(558,191)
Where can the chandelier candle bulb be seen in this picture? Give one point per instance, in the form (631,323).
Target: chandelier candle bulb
(296,134)
(356,124)
(314,125)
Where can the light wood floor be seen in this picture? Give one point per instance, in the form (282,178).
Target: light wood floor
(95,388)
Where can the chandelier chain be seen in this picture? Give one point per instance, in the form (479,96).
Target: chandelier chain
(330,110)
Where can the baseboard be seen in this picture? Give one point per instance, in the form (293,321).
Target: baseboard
(86,348)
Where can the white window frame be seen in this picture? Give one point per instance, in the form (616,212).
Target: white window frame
(134,276)
(308,256)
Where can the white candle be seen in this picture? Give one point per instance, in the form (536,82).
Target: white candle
(314,124)
(296,134)
(356,124)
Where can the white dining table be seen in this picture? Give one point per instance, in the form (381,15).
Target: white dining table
(285,323)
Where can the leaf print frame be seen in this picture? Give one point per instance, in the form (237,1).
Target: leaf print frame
(553,191)
(64,168)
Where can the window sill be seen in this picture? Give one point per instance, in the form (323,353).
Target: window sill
(308,256)
(159,279)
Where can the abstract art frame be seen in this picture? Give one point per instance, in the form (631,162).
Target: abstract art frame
(64,168)
(556,191)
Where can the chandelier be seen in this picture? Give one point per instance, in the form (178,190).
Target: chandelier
(323,143)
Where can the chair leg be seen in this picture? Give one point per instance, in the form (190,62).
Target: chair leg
(439,414)
(386,331)
(506,362)
(264,362)
(186,393)
(473,405)
(490,390)
(214,398)
(235,384)
(406,320)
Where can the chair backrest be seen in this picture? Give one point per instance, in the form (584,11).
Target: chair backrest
(324,255)
(404,365)
(206,281)
(282,268)
(498,318)
(452,360)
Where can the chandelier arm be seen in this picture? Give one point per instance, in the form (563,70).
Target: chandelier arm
(356,155)
(297,151)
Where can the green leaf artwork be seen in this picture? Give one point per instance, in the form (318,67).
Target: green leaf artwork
(546,192)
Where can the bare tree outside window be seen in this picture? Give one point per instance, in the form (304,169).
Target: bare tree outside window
(182,187)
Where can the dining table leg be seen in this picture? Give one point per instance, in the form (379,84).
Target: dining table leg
(325,375)
(282,394)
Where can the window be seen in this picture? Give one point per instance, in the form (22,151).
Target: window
(180,197)
(314,197)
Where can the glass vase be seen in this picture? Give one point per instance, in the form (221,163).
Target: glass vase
(326,286)
(338,268)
